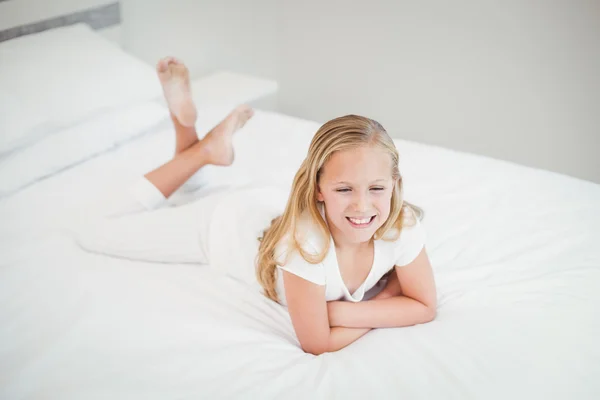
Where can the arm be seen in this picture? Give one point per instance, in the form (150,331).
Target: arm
(392,288)
(308,310)
(417,305)
(340,337)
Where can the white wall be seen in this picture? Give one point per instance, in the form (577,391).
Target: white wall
(517,80)
(237,35)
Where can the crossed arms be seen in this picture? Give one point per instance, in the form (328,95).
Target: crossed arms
(409,298)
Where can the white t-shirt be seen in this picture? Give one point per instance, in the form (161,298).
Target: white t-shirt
(387,254)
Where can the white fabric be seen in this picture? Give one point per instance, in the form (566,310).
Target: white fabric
(237,222)
(292,261)
(409,244)
(202,231)
(77,143)
(387,254)
(71,73)
(147,194)
(138,223)
(20,125)
(514,251)
(134,229)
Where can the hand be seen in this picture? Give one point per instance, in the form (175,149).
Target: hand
(391,289)
(384,294)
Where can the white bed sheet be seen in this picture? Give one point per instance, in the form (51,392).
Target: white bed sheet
(514,251)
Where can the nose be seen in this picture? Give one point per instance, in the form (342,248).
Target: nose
(361,202)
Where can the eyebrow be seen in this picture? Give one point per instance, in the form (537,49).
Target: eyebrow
(348,183)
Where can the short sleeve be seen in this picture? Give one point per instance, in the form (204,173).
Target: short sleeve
(409,244)
(297,265)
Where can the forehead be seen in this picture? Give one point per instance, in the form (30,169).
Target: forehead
(360,164)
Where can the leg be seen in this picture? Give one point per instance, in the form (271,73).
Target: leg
(215,148)
(175,81)
(167,235)
(185,136)
(191,154)
(170,176)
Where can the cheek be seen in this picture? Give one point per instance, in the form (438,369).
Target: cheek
(337,204)
(383,204)
(337,207)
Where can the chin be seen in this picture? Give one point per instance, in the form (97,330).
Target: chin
(360,235)
(363,238)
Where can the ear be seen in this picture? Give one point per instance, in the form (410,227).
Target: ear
(319,194)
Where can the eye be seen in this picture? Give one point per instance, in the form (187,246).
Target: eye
(378,188)
(342,190)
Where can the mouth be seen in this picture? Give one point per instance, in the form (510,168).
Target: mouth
(361,223)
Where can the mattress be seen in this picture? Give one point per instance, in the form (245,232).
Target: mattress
(514,251)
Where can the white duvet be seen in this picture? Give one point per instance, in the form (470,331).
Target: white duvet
(514,250)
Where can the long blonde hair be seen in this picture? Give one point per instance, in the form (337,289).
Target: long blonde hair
(338,134)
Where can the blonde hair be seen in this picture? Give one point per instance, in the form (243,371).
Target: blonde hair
(339,134)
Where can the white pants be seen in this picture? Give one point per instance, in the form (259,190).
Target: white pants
(140,223)
(217,226)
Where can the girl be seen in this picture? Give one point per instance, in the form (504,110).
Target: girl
(344,230)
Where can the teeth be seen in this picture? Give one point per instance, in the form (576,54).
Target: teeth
(360,221)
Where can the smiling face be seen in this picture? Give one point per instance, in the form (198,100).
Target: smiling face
(356,186)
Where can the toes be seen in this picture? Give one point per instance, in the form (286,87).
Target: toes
(165,63)
(248,113)
(162,65)
(180,69)
(245,110)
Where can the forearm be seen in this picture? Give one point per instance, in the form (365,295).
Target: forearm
(379,313)
(340,337)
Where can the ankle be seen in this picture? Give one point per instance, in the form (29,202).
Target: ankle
(201,150)
(181,147)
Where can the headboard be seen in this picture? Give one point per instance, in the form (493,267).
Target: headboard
(23,17)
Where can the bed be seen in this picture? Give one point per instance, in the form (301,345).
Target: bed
(514,250)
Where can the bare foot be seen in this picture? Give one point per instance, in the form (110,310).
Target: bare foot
(218,142)
(175,80)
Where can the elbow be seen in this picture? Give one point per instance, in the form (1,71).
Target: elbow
(429,314)
(315,350)
(315,341)
(316,347)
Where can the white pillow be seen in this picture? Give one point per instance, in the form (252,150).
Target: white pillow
(77,143)
(19,124)
(71,73)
